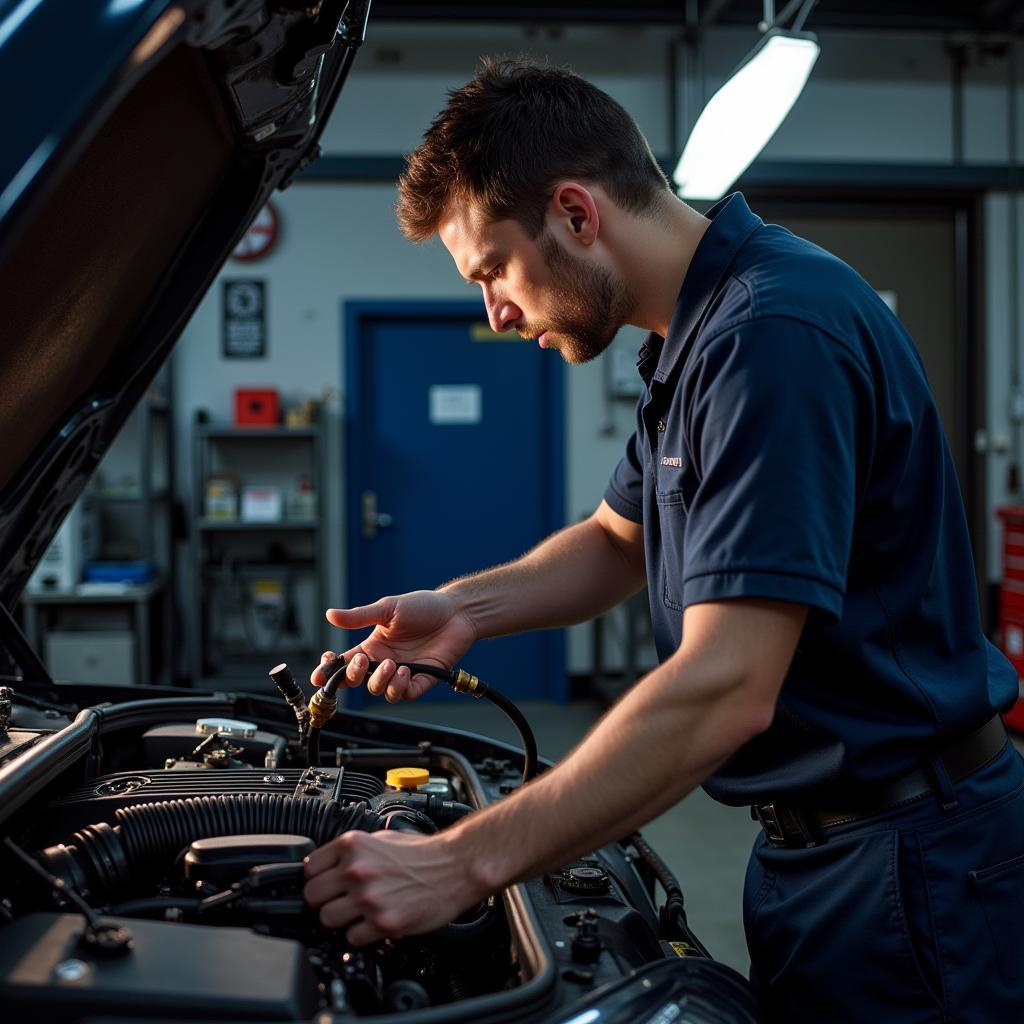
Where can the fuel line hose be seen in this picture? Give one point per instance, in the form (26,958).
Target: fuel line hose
(324,703)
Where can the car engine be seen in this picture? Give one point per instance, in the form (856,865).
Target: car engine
(152,854)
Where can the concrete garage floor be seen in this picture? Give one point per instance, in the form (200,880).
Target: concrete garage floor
(704,843)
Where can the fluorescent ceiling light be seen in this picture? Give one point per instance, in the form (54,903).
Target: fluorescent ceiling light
(745,113)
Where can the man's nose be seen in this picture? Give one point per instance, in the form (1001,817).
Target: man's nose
(502,314)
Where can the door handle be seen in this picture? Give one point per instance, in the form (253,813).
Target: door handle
(373,520)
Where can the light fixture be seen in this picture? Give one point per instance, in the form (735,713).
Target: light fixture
(745,113)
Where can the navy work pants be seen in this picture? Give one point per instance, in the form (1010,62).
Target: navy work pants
(912,917)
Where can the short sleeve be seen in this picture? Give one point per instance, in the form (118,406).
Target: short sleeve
(625,490)
(780,418)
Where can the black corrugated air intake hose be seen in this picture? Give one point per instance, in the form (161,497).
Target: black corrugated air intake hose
(100,862)
(325,701)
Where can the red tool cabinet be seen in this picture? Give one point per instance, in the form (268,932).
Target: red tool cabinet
(1011,601)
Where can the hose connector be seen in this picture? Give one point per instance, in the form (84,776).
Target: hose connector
(322,707)
(465,683)
(292,693)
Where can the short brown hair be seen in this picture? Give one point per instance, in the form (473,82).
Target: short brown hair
(505,139)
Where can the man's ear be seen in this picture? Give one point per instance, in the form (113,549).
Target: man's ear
(575,213)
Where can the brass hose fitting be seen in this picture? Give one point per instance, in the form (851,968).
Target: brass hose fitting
(465,683)
(321,709)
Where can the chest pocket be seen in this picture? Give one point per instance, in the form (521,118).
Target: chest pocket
(675,483)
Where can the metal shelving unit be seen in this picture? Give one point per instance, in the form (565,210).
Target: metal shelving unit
(258,588)
(131,496)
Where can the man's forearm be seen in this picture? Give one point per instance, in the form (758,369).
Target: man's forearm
(665,737)
(570,577)
(645,755)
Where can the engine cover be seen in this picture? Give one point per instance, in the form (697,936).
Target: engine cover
(221,860)
(173,970)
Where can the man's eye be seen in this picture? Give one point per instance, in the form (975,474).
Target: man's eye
(494,272)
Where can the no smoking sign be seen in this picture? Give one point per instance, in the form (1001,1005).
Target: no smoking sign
(261,237)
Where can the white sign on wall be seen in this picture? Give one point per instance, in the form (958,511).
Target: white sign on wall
(455,403)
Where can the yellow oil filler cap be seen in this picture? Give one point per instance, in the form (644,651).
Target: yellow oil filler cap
(407,778)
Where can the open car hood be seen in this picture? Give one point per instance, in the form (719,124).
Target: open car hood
(142,138)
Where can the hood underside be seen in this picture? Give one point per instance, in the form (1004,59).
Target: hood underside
(129,176)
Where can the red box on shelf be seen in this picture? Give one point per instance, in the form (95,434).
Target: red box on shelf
(256,407)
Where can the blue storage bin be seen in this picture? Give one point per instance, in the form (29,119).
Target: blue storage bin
(118,572)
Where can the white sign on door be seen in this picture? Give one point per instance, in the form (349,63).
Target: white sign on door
(455,403)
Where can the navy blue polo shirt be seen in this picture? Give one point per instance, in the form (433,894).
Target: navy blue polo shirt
(787,447)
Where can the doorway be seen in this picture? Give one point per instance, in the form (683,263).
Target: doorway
(454,463)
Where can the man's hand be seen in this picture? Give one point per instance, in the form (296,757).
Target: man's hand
(424,626)
(387,884)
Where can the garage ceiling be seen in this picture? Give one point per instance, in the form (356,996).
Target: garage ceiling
(885,15)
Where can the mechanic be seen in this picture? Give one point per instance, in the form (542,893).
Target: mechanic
(790,501)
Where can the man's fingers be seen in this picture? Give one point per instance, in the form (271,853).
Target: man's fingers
(341,914)
(319,891)
(388,678)
(337,913)
(357,666)
(363,933)
(322,858)
(328,663)
(372,887)
(418,686)
(399,686)
(382,675)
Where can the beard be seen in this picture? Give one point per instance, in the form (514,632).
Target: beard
(590,303)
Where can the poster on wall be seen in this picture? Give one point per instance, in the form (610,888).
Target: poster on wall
(243,318)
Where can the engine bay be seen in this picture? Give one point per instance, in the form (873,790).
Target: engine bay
(153,863)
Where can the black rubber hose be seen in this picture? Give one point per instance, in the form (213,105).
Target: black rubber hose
(483,689)
(446,675)
(471,932)
(661,871)
(408,819)
(522,727)
(675,908)
(442,813)
(101,860)
(313,747)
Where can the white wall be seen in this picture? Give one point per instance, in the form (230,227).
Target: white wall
(870,99)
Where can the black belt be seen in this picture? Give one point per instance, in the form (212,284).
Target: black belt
(797,826)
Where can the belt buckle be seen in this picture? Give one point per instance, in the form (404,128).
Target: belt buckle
(770,822)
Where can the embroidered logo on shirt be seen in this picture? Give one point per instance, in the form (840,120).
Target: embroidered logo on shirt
(672,460)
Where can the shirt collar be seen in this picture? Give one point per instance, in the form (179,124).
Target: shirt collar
(732,223)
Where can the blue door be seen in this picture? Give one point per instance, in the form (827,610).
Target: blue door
(454,441)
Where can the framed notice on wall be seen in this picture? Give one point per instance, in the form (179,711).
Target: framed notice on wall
(243,319)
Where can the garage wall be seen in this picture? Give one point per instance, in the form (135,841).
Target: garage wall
(870,100)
